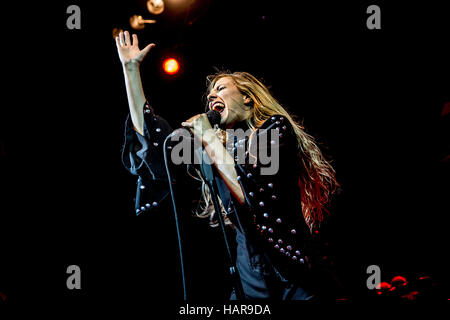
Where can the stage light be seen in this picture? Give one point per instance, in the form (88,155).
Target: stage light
(155,6)
(171,66)
(116,32)
(138,23)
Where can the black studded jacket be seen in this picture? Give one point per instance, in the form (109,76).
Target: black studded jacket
(270,225)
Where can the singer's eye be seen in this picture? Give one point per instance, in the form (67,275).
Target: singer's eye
(220,88)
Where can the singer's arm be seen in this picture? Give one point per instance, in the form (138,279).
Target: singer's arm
(135,95)
(131,57)
(222,160)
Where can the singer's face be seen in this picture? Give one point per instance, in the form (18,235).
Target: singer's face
(226,98)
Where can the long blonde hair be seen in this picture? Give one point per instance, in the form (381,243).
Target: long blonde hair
(317,179)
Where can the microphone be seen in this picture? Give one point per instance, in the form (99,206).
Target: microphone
(213,118)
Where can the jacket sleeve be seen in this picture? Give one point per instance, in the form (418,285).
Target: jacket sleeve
(142,155)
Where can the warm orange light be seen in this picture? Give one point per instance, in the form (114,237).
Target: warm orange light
(171,66)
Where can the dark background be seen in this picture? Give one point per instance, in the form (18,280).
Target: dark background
(372,98)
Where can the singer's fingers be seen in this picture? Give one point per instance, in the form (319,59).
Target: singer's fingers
(187,124)
(135,40)
(121,39)
(147,49)
(117,42)
(127,38)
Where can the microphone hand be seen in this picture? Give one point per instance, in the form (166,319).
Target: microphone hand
(203,120)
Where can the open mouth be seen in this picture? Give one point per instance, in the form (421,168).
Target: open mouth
(218,106)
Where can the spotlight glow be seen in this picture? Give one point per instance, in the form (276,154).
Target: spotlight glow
(171,66)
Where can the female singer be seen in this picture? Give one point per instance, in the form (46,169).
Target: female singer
(275,207)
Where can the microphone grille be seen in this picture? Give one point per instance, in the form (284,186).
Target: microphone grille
(213,117)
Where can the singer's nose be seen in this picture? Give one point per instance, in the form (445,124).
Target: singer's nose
(211,96)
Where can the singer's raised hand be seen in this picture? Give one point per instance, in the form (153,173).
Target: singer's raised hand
(131,57)
(128,50)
